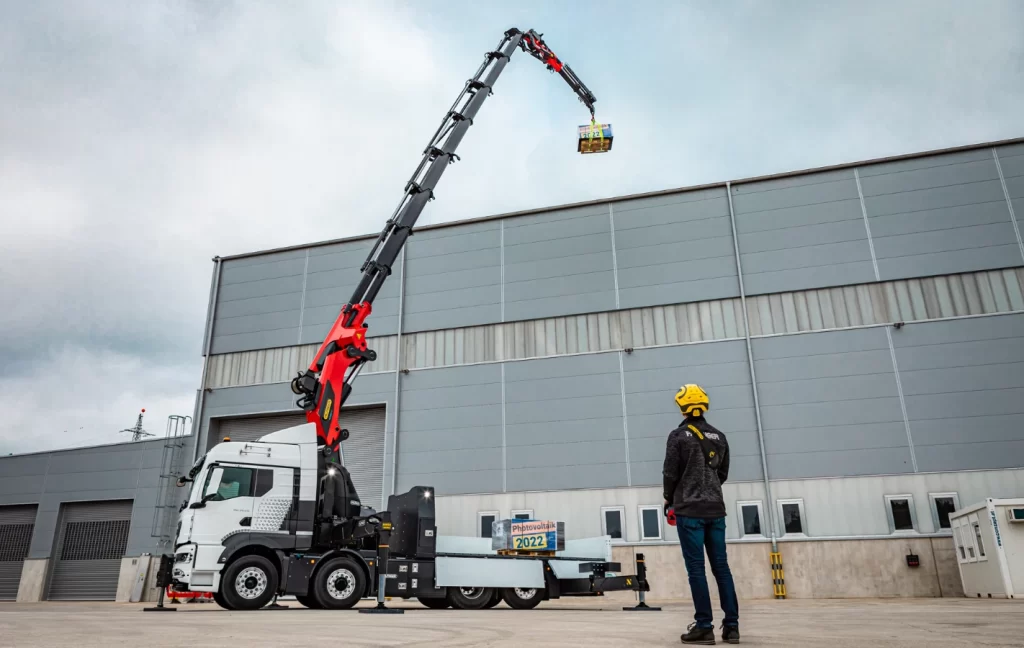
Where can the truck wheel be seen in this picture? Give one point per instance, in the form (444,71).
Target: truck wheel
(469,598)
(218,598)
(495,599)
(434,603)
(308,601)
(522,599)
(249,583)
(339,584)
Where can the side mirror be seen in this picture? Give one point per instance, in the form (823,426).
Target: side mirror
(182,481)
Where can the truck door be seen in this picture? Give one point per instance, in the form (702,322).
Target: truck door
(226,505)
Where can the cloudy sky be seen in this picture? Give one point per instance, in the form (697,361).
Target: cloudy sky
(139,139)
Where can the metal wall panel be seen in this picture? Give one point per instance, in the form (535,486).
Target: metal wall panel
(563,424)
(558,263)
(451,430)
(802,232)
(905,300)
(652,377)
(16,524)
(87,556)
(454,278)
(939,215)
(1011,160)
(331,276)
(675,249)
(964,387)
(830,405)
(363,452)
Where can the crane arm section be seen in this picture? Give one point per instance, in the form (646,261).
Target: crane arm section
(326,384)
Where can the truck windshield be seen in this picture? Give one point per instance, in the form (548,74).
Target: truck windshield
(192,474)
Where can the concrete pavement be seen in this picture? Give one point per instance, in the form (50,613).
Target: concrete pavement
(595,623)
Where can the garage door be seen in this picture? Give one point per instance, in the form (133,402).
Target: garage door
(16,523)
(364,450)
(91,542)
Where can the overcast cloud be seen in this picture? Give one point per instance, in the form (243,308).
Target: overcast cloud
(140,139)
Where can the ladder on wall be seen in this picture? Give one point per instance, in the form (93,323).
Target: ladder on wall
(165,510)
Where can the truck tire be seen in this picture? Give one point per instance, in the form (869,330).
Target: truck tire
(308,601)
(521,598)
(495,599)
(469,598)
(339,584)
(218,598)
(249,583)
(434,603)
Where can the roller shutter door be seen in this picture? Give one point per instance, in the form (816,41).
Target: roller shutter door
(364,450)
(92,540)
(16,524)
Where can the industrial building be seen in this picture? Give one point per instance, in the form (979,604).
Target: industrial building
(859,329)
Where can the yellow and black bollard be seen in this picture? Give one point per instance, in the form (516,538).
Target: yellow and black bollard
(778,578)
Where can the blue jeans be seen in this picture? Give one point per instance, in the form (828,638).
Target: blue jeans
(696,535)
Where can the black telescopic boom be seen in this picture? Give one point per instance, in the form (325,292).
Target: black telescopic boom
(436,157)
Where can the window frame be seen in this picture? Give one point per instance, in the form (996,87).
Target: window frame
(514,512)
(932,497)
(914,528)
(980,552)
(782,517)
(622,522)
(640,522)
(740,504)
(958,542)
(480,520)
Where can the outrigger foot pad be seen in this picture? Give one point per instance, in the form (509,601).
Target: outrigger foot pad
(380,609)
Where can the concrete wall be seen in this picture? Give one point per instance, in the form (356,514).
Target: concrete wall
(817,569)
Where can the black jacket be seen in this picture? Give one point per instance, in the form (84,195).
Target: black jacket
(692,487)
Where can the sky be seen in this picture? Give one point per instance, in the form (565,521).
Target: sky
(140,139)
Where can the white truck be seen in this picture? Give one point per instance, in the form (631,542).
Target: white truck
(276,517)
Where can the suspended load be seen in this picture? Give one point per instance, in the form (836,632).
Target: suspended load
(595,138)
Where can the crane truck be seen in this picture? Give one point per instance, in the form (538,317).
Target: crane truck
(281,515)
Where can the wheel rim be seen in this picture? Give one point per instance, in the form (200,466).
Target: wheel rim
(472,592)
(525,594)
(341,577)
(251,582)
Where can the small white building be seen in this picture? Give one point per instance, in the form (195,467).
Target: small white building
(989,542)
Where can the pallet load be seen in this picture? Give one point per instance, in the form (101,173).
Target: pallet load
(528,536)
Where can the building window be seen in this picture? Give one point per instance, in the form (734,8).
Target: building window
(523,514)
(487,519)
(900,511)
(613,522)
(650,523)
(791,512)
(942,505)
(751,515)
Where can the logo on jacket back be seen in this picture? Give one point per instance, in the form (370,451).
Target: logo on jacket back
(710,435)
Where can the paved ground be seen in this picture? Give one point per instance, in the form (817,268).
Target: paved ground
(936,623)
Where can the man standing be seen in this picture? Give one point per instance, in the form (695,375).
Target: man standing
(696,466)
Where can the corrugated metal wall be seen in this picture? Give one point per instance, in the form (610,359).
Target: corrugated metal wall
(932,215)
(974,293)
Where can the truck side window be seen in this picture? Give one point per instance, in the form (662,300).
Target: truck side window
(235,482)
(264,481)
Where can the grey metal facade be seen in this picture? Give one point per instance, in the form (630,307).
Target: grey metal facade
(49,480)
(538,351)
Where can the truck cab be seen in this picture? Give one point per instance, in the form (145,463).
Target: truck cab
(255,507)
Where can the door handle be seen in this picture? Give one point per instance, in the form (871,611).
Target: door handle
(246,521)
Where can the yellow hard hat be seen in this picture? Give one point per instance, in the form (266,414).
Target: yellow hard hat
(692,400)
